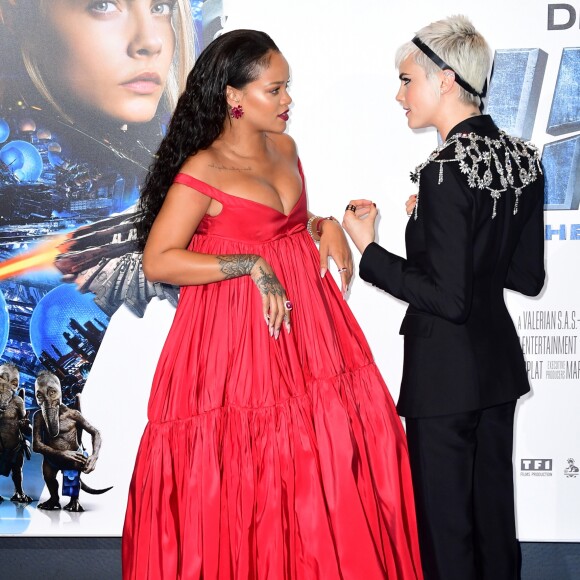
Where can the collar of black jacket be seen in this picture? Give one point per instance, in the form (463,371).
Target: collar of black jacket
(480,125)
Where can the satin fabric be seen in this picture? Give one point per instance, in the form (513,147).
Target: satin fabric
(264,458)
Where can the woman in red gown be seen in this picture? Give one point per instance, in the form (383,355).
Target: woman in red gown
(273,449)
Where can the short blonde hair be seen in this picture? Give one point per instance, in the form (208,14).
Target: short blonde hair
(460,45)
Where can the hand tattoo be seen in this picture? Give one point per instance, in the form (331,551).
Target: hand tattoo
(268,283)
(236,265)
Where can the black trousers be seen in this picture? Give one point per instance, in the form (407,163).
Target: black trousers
(464,493)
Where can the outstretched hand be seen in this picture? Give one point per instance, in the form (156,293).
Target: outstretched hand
(275,304)
(360,223)
(333,244)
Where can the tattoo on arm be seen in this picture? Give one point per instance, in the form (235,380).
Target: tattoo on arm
(236,265)
(268,283)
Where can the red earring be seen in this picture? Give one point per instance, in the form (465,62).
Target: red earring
(237,112)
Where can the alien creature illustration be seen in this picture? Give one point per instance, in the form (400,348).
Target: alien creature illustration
(57,435)
(14,424)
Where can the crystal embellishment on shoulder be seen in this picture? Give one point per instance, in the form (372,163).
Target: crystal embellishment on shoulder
(495,165)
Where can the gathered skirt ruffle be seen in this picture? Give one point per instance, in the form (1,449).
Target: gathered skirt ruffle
(315,486)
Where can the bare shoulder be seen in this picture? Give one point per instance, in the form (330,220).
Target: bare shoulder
(200,165)
(285,146)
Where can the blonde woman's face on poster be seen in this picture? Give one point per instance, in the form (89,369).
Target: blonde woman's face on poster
(111,58)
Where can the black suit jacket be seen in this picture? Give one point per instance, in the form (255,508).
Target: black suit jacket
(462,351)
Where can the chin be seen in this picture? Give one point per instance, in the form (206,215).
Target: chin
(140,112)
(281,126)
(275,129)
(417,125)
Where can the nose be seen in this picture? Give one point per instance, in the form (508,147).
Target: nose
(145,36)
(399,96)
(286,98)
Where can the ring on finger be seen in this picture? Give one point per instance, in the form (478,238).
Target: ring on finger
(288,305)
(341,270)
(350,207)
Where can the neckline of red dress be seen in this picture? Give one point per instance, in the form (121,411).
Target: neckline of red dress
(251,200)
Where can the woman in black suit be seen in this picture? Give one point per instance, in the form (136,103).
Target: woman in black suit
(475,229)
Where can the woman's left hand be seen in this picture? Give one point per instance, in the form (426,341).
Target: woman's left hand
(333,244)
(360,222)
(410,204)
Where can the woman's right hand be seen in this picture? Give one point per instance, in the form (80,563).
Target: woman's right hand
(359,222)
(274,300)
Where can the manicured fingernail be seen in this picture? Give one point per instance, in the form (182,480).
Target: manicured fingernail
(271,331)
(287,325)
(322,272)
(277,333)
(267,319)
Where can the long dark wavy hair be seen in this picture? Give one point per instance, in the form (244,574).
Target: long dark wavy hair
(233,59)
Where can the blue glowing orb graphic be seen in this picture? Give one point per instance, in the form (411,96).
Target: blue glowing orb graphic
(4,323)
(23,159)
(4,130)
(53,314)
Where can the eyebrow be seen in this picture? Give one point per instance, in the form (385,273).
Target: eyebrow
(278,82)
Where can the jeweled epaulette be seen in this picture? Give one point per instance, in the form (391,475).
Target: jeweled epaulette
(506,161)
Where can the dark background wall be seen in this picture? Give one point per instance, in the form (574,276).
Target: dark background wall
(100,559)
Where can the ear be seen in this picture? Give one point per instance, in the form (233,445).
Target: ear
(447,81)
(233,96)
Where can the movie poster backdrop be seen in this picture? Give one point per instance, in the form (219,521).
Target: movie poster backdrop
(87,89)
